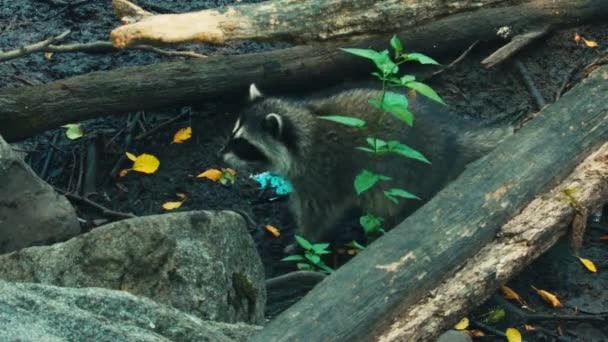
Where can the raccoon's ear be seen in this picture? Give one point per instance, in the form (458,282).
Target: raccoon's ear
(274,124)
(254,92)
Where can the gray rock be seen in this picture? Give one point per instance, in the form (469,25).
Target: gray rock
(36,312)
(31,212)
(203,263)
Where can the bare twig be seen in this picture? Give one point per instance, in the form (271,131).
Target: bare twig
(33,48)
(531,85)
(162,125)
(49,156)
(515,45)
(300,277)
(103,46)
(457,60)
(105,211)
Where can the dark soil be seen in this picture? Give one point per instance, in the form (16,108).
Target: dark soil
(469,89)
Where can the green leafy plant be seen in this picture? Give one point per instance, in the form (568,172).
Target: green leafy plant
(396,104)
(311,259)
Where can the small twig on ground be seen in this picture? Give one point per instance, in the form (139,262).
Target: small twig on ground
(90,174)
(300,277)
(29,49)
(105,211)
(162,125)
(103,46)
(531,317)
(531,85)
(80,168)
(49,156)
(457,60)
(567,80)
(22,80)
(515,45)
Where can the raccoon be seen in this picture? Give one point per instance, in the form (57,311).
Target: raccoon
(320,159)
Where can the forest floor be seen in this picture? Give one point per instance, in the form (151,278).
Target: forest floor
(468,88)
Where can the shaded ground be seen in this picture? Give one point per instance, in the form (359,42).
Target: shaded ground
(467,88)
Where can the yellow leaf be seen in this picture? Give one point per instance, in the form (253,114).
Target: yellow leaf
(274,231)
(172,205)
(548,297)
(513,335)
(48,55)
(577,37)
(588,264)
(182,135)
(590,43)
(131,156)
(146,163)
(213,174)
(508,293)
(463,324)
(181,195)
(124,172)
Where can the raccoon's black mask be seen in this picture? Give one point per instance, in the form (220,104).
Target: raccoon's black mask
(260,135)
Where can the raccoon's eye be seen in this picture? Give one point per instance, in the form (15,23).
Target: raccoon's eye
(247,151)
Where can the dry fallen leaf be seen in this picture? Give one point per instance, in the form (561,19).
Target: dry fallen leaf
(124,172)
(475,333)
(548,297)
(463,324)
(513,335)
(272,230)
(529,327)
(577,37)
(172,205)
(181,195)
(145,163)
(212,174)
(508,293)
(131,156)
(590,43)
(588,264)
(48,55)
(604,238)
(182,135)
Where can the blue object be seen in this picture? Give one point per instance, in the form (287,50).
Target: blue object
(280,185)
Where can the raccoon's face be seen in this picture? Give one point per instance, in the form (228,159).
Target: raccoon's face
(261,138)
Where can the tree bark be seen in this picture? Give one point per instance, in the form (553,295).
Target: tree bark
(521,240)
(291,20)
(362,299)
(29,110)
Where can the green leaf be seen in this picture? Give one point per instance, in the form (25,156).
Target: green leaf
(320,248)
(312,257)
(406,79)
(378,145)
(367,179)
(303,242)
(293,258)
(406,151)
(425,90)
(304,266)
(420,58)
(355,244)
(381,59)
(344,120)
(395,104)
(370,223)
(365,53)
(325,267)
(73,132)
(366,149)
(396,44)
(392,194)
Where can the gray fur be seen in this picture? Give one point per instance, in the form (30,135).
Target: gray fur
(324,163)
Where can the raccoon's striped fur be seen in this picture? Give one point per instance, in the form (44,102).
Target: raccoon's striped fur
(320,159)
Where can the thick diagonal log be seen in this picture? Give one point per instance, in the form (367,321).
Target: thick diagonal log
(362,299)
(29,110)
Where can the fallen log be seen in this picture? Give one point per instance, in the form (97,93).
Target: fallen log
(287,20)
(29,110)
(521,240)
(369,297)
